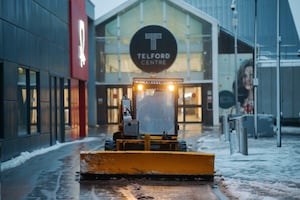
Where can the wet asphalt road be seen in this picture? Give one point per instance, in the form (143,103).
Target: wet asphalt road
(54,175)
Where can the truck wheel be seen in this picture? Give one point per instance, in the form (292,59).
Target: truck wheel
(117,135)
(110,145)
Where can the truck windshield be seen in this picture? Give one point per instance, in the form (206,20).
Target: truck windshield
(155,110)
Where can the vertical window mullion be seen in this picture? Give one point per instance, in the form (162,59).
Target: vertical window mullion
(28,99)
(38,110)
(69,102)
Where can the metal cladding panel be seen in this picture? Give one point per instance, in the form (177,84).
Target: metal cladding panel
(296,95)
(21,46)
(44,86)
(10,105)
(7,10)
(78,40)
(289,97)
(9,121)
(10,79)
(23,13)
(1,39)
(90,9)
(45,122)
(9,44)
(268,91)
(58,7)
(266,21)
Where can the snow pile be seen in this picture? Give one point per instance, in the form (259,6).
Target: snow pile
(268,172)
(24,156)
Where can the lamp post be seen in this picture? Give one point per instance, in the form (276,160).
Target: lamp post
(255,80)
(235,24)
(278,125)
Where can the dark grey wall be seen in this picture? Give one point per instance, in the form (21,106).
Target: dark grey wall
(266,19)
(34,34)
(290,95)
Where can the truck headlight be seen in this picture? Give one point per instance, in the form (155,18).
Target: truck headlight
(140,87)
(171,87)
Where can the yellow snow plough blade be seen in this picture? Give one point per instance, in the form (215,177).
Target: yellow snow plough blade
(156,163)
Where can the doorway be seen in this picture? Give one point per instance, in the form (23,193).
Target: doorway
(57,127)
(190,104)
(114,97)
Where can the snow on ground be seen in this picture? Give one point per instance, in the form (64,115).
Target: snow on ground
(24,156)
(268,172)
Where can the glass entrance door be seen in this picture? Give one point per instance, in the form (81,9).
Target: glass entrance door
(190,104)
(114,97)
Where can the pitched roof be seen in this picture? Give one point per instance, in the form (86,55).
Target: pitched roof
(178,3)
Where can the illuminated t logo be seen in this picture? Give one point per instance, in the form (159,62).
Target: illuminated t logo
(81,55)
(153,37)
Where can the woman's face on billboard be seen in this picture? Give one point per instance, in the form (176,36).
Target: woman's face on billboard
(248,78)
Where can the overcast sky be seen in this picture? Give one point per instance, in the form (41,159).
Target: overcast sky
(104,6)
(295,5)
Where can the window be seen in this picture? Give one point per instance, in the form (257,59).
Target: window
(34,102)
(28,102)
(1,101)
(67,103)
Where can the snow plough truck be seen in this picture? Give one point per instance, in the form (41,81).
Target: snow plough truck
(147,142)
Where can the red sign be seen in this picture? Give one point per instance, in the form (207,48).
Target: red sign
(78,40)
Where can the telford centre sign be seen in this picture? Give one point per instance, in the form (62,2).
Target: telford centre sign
(153,49)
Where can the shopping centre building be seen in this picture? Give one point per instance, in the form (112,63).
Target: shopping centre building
(198,39)
(206,59)
(62,71)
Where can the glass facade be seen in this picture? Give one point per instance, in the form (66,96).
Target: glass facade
(196,62)
(193,35)
(67,103)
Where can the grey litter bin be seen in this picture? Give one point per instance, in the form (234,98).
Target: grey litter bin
(238,135)
(265,125)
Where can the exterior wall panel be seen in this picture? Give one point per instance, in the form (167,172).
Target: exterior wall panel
(289,77)
(9,149)
(44,87)
(45,118)
(10,80)
(267,91)
(9,121)
(266,10)
(296,93)
(1,38)
(287,91)
(10,34)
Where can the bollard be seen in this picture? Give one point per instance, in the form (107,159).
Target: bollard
(239,137)
(225,127)
(243,137)
(244,142)
(234,145)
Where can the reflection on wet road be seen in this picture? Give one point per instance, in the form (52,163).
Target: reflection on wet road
(54,175)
